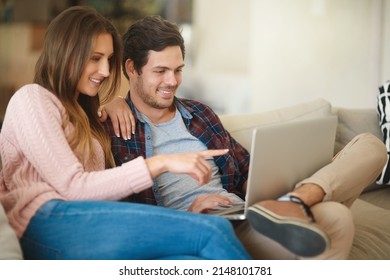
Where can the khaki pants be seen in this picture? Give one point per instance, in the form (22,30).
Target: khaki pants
(354,168)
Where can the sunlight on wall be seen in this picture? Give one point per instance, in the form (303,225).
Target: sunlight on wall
(291,51)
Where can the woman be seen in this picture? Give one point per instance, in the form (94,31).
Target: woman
(59,185)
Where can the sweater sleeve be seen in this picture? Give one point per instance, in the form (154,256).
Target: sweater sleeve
(36,119)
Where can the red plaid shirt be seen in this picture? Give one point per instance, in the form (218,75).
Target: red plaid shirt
(201,122)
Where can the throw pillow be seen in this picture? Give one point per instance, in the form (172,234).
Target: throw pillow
(383,108)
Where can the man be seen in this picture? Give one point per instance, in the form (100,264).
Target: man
(312,221)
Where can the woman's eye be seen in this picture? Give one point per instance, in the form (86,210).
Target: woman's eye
(95,58)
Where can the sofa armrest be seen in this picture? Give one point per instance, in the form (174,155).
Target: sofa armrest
(9,243)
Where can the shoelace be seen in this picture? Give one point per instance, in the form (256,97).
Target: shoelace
(295,199)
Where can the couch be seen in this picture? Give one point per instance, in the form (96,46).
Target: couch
(371,211)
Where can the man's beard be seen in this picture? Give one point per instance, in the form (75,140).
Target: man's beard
(150,100)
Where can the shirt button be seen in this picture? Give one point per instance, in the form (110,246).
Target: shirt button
(148,137)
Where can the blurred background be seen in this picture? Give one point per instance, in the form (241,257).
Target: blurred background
(242,56)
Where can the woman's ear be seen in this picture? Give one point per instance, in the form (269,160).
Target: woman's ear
(130,70)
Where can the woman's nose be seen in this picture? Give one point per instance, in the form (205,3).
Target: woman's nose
(104,69)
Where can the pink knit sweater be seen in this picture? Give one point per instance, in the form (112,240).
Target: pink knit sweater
(38,164)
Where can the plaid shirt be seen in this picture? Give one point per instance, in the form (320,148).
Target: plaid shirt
(202,123)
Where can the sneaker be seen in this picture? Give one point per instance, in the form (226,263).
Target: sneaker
(289,222)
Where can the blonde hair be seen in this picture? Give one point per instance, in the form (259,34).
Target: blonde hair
(67,47)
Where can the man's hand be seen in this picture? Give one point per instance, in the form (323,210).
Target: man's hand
(207,201)
(122,118)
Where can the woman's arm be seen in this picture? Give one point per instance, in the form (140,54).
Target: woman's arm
(193,164)
(122,118)
(40,133)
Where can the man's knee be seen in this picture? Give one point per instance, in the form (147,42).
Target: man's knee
(334,218)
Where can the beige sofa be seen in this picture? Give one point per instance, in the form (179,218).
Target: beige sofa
(372,210)
(9,244)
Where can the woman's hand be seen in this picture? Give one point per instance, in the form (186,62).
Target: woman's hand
(121,117)
(192,164)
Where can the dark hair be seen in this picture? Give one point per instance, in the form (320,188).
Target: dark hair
(152,33)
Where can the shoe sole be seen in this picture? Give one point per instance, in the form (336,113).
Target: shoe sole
(302,239)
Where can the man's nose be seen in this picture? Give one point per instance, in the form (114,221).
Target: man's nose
(170,78)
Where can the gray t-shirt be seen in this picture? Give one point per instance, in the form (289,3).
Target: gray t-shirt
(180,190)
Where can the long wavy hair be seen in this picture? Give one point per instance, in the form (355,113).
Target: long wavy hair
(67,47)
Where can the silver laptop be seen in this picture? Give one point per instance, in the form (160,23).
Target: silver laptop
(282,155)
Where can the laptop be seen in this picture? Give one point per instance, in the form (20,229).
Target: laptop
(282,155)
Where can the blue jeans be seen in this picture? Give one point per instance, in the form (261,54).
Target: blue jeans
(121,230)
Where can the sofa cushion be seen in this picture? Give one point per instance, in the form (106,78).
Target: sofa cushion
(372,236)
(9,243)
(241,126)
(353,122)
(379,197)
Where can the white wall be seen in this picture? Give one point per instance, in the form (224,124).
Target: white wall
(385,54)
(281,52)
(219,52)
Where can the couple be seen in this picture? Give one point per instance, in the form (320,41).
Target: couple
(60,188)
